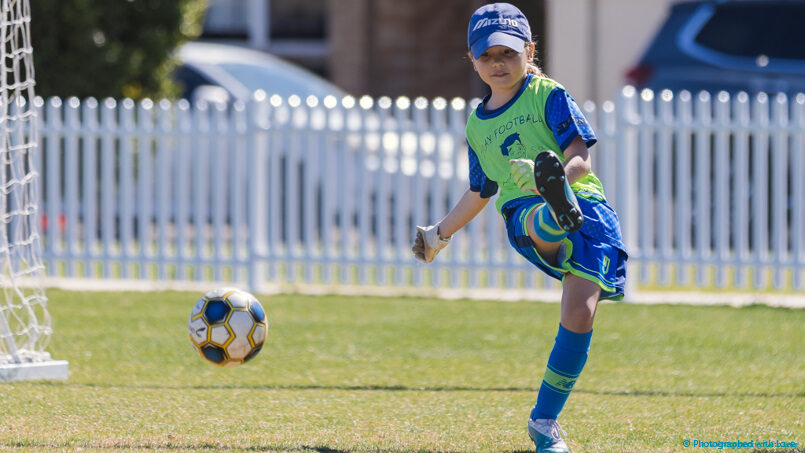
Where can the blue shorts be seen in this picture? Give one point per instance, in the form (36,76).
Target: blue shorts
(595,252)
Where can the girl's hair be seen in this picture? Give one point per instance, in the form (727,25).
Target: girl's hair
(531,66)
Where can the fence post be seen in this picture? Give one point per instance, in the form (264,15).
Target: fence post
(401,233)
(702,180)
(200,149)
(220,159)
(183,180)
(89,201)
(418,180)
(798,192)
(237,197)
(72,126)
(257,189)
(664,189)
(721,188)
(626,193)
(740,230)
(272,124)
(165,145)
(145,185)
(779,189)
(52,182)
(331,141)
(760,182)
(109,128)
(645,157)
(682,190)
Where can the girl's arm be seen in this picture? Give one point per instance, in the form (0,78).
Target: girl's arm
(429,240)
(577,160)
(465,210)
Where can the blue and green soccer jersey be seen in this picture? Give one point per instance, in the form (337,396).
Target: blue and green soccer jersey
(541,116)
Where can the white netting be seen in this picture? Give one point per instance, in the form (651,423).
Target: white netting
(25,325)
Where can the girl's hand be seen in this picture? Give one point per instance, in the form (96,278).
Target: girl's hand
(522,171)
(428,243)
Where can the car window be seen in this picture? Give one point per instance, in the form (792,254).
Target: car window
(259,78)
(752,30)
(189,79)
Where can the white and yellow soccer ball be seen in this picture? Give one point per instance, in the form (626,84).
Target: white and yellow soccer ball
(228,326)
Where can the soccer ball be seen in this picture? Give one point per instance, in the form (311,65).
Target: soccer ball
(228,327)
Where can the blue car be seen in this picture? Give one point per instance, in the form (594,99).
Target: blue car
(747,45)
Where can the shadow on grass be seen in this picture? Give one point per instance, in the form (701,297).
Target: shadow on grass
(402,388)
(778,450)
(690,394)
(210,447)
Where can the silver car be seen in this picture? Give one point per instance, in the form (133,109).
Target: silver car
(226,73)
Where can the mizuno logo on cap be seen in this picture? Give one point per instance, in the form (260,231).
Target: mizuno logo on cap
(499,21)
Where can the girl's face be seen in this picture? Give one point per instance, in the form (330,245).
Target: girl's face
(501,67)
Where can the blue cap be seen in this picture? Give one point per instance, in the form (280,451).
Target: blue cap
(498,24)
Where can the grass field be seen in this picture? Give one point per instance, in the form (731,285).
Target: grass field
(343,374)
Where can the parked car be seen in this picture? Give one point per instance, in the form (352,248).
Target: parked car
(748,45)
(224,73)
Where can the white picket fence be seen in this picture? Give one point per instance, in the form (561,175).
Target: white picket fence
(290,194)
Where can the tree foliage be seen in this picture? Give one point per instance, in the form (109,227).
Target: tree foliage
(116,48)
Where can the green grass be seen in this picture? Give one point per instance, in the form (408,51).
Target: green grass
(343,374)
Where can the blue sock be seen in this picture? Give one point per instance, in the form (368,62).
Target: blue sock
(546,227)
(564,366)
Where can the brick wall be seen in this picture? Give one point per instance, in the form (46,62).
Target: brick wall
(393,48)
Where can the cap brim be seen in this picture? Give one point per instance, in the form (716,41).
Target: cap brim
(497,39)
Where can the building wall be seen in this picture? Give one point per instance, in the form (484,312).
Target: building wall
(592,43)
(393,48)
(348,30)
(418,47)
(414,48)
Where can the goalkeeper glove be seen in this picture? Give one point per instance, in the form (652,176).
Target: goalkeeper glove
(428,243)
(522,171)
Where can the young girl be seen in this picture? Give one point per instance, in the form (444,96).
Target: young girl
(528,143)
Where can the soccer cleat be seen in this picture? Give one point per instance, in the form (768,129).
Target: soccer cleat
(547,436)
(554,188)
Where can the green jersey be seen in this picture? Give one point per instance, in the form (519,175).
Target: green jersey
(540,116)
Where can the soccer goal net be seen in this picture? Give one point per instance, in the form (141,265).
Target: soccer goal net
(25,324)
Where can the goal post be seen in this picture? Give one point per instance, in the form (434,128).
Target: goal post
(25,325)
